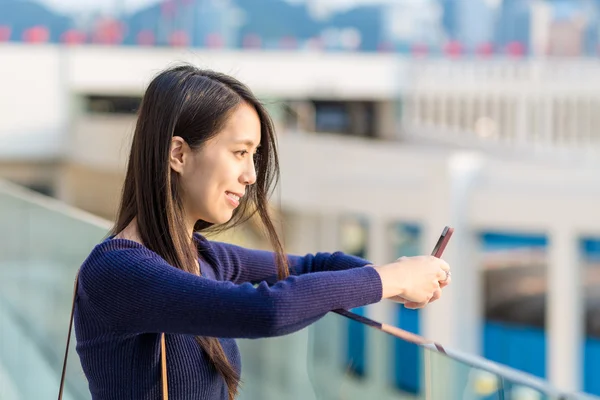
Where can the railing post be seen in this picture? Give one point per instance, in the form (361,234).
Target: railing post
(454,320)
(565,311)
(378,346)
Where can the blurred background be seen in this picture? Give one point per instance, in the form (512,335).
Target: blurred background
(395,118)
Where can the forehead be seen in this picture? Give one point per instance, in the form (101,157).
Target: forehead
(243,125)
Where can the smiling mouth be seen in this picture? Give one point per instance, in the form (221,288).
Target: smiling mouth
(233,196)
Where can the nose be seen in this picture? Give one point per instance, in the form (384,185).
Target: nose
(248,176)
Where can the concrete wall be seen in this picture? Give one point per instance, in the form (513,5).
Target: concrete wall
(39,84)
(33,112)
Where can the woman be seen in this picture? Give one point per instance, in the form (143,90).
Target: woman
(204,157)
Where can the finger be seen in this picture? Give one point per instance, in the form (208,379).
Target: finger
(411,305)
(414,305)
(443,264)
(398,299)
(436,295)
(441,275)
(445,283)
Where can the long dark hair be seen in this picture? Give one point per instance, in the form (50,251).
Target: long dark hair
(194,104)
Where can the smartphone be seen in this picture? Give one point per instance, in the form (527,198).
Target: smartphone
(438,250)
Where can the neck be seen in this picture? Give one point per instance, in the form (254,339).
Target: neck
(190,228)
(131,232)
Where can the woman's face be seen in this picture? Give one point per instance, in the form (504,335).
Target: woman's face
(214,178)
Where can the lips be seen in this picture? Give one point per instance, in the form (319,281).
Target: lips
(233,198)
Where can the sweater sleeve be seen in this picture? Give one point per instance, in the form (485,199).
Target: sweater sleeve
(135,294)
(239,264)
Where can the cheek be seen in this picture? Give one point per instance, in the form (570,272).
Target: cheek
(203,186)
(206,186)
(223,175)
(211,177)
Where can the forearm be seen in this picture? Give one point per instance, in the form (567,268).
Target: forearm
(248,265)
(151,297)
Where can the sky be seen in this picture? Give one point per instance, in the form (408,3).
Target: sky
(76,6)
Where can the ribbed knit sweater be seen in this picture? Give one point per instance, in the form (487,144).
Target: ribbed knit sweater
(128,295)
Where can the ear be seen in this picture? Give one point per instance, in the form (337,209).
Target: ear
(178,154)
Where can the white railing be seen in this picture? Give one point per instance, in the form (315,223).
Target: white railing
(529,104)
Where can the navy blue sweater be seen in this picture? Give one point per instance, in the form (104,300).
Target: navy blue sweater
(128,295)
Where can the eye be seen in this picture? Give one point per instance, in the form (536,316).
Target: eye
(241,153)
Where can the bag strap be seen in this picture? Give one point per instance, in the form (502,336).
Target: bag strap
(163,352)
(163,364)
(64,368)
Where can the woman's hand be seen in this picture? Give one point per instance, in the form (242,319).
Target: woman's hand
(409,304)
(414,281)
(414,305)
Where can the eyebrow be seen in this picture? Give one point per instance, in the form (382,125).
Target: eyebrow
(247,142)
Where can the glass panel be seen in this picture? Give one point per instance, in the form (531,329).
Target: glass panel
(311,364)
(41,246)
(406,242)
(354,231)
(449,378)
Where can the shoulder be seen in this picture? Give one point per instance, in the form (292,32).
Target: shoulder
(117,257)
(120,250)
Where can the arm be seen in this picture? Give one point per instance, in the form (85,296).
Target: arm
(245,265)
(135,294)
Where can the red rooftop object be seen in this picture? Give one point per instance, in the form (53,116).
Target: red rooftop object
(251,41)
(453,49)
(108,31)
(515,49)
(73,37)
(214,41)
(145,38)
(179,39)
(485,49)
(5,32)
(36,34)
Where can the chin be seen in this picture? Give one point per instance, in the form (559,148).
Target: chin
(222,219)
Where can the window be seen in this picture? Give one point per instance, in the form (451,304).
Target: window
(112,104)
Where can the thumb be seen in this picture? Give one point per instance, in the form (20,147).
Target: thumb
(398,299)
(414,305)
